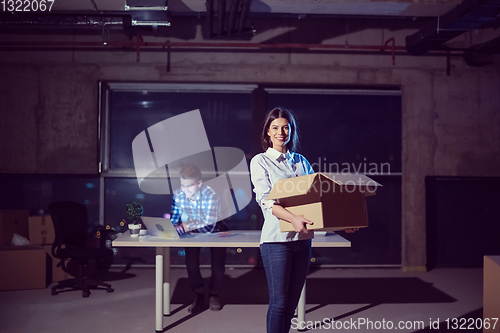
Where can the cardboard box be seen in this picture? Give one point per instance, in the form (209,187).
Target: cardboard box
(23,267)
(333,202)
(41,230)
(13,221)
(491,293)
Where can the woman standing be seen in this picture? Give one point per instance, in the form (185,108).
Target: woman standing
(286,255)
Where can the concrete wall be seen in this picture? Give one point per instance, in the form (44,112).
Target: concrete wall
(451,124)
(49,119)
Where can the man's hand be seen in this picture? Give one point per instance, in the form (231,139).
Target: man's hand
(351,230)
(180,229)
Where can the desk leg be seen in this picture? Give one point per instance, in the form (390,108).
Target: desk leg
(159,289)
(166,281)
(301,309)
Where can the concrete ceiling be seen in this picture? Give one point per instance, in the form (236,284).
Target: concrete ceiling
(443,19)
(406,8)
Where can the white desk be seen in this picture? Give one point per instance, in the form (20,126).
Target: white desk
(235,238)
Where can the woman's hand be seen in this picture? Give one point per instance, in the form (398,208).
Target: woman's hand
(351,230)
(299,223)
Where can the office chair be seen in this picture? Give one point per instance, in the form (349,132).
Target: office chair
(70,226)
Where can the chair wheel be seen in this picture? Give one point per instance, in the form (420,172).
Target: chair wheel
(109,290)
(86,294)
(54,293)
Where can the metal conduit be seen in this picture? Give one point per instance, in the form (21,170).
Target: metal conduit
(140,43)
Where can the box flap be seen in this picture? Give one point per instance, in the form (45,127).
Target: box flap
(303,185)
(290,187)
(366,185)
(352,179)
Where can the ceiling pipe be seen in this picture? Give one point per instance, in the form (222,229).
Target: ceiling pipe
(200,45)
(393,48)
(72,21)
(139,44)
(477,55)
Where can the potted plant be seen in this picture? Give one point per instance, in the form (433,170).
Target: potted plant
(134,211)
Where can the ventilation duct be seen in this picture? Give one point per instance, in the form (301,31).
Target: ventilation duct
(230,25)
(70,21)
(469,15)
(479,55)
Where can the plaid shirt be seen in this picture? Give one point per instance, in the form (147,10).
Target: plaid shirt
(203,214)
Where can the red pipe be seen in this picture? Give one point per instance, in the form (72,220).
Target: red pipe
(393,48)
(139,42)
(189,44)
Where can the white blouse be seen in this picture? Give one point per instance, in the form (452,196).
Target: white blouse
(265,169)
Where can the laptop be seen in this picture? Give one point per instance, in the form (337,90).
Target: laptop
(160,227)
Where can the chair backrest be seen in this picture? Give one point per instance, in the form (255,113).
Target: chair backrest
(70,225)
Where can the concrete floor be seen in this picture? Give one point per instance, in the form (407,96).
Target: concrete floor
(378,297)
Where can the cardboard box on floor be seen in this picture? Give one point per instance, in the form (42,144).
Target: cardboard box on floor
(333,202)
(23,267)
(41,230)
(491,293)
(13,221)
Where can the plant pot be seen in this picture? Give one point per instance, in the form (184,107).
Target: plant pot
(134,230)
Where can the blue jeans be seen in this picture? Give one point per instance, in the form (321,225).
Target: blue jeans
(218,261)
(286,265)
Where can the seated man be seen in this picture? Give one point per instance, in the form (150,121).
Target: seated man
(202,207)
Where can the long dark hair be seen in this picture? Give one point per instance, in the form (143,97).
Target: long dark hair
(293,143)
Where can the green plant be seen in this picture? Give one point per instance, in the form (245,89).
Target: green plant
(134,210)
